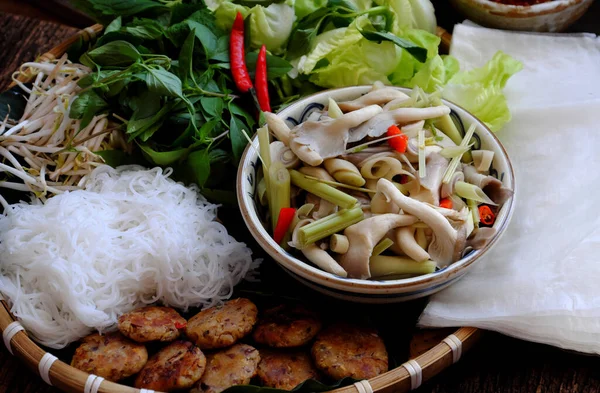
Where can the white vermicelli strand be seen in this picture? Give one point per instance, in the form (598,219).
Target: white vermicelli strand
(131,237)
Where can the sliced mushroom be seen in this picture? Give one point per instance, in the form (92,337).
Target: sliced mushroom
(405,237)
(280,152)
(365,154)
(447,243)
(491,186)
(319,173)
(344,172)
(379,124)
(375,97)
(412,150)
(363,236)
(322,208)
(380,204)
(431,184)
(411,130)
(278,127)
(316,255)
(314,141)
(481,238)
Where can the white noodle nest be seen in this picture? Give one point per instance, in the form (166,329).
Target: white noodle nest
(132,237)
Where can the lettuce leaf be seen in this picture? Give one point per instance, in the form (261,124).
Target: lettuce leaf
(411,14)
(226,12)
(479,91)
(271,26)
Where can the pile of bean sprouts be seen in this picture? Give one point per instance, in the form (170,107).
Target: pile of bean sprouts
(45,149)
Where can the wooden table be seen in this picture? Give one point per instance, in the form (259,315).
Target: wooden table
(497,364)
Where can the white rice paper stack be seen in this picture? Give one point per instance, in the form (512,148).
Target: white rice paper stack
(541,282)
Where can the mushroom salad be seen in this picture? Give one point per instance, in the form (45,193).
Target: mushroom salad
(381,187)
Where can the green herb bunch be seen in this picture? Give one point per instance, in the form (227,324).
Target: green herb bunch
(161,69)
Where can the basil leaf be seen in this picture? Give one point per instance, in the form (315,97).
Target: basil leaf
(186,57)
(238,140)
(146,29)
(102,9)
(276,66)
(221,52)
(163,82)
(86,106)
(180,12)
(115,25)
(115,53)
(199,163)
(237,110)
(419,53)
(213,106)
(206,37)
(162,158)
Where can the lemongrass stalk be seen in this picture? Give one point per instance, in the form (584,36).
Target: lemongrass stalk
(470,224)
(382,246)
(422,165)
(339,244)
(472,192)
(263,199)
(454,151)
(329,225)
(474,212)
(322,190)
(342,185)
(279,190)
(421,238)
(334,110)
(447,126)
(383,265)
(456,160)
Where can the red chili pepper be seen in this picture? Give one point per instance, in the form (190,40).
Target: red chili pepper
(286,216)
(179,325)
(404,179)
(486,216)
(400,140)
(237,56)
(446,203)
(260,81)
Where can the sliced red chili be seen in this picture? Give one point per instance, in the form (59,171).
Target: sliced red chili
(180,325)
(446,203)
(286,216)
(486,215)
(261,82)
(399,142)
(237,55)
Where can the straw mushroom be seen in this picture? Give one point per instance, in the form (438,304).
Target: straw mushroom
(363,236)
(492,187)
(447,243)
(379,124)
(314,141)
(374,97)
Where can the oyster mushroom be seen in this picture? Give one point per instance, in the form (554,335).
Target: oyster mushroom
(447,189)
(491,186)
(278,127)
(405,237)
(363,236)
(316,254)
(481,238)
(319,173)
(431,184)
(447,242)
(322,208)
(374,97)
(379,124)
(314,141)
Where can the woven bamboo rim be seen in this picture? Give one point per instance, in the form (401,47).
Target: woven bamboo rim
(407,377)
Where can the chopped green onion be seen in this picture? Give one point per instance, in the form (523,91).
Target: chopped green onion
(382,246)
(456,160)
(472,192)
(322,190)
(422,165)
(383,265)
(334,110)
(329,225)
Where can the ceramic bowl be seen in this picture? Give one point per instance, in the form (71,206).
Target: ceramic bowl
(551,16)
(365,291)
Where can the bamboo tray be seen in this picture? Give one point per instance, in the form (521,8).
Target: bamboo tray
(431,352)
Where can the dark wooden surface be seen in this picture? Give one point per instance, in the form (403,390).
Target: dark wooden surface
(497,364)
